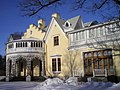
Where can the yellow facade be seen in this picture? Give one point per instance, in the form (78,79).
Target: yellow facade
(34,32)
(37,33)
(52,50)
(59,51)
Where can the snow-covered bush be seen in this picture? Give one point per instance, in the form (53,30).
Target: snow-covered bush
(72,81)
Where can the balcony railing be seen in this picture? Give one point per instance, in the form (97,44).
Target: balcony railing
(96,72)
(103,72)
(25,49)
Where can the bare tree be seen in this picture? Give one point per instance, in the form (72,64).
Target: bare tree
(32,7)
(71,61)
(111,39)
(2,65)
(103,7)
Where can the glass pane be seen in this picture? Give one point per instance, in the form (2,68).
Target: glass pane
(59,64)
(95,54)
(105,53)
(53,64)
(99,54)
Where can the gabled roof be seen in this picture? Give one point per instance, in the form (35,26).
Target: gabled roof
(58,22)
(90,23)
(15,36)
(74,22)
(45,29)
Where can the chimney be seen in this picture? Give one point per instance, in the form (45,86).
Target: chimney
(41,23)
(56,15)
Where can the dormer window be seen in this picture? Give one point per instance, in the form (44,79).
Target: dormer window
(67,24)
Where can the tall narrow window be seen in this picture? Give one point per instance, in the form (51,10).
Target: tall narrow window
(56,64)
(56,40)
(25,44)
(31,44)
(59,64)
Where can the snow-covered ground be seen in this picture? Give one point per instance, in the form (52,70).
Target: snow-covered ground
(57,84)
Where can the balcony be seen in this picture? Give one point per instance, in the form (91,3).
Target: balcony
(25,50)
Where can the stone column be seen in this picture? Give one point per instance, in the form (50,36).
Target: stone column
(7,71)
(43,67)
(13,68)
(28,77)
(16,67)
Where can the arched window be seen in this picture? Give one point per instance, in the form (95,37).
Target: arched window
(67,25)
(25,44)
(21,44)
(34,45)
(16,45)
(31,44)
(39,44)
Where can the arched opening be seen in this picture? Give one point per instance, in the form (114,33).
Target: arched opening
(36,69)
(21,66)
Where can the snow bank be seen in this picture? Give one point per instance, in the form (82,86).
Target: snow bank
(114,87)
(72,84)
(54,81)
(58,84)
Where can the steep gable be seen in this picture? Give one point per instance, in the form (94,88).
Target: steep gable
(73,24)
(76,22)
(55,22)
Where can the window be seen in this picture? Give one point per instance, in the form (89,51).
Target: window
(73,37)
(99,59)
(25,44)
(59,64)
(67,25)
(56,40)
(56,64)
(77,36)
(82,35)
(91,33)
(101,31)
(31,44)
(30,32)
(10,46)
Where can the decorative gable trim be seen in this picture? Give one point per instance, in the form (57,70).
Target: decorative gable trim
(49,29)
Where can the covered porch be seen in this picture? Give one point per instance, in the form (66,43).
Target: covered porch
(25,67)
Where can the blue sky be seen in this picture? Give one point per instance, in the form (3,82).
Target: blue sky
(11,20)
